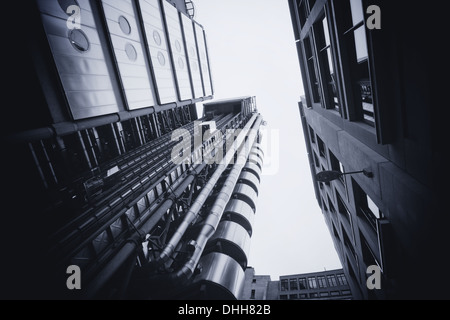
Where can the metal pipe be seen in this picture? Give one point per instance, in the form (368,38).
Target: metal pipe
(213,219)
(134,241)
(192,214)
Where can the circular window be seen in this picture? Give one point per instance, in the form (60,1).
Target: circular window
(157,37)
(65,4)
(79,40)
(124,25)
(178,45)
(131,52)
(161,58)
(192,51)
(181,63)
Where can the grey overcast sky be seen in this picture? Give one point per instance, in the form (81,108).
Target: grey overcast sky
(252,52)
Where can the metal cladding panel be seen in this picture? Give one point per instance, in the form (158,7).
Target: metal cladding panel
(204,61)
(178,51)
(240,212)
(221,273)
(80,59)
(129,52)
(192,53)
(159,50)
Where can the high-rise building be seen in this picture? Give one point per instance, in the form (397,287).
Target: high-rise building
(370,101)
(115,187)
(323,285)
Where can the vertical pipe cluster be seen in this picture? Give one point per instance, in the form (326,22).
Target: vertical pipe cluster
(222,248)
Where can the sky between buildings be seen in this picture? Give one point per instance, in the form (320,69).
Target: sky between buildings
(252,52)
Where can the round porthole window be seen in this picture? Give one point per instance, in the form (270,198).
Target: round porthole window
(161,58)
(157,37)
(124,25)
(65,4)
(131,52)
(79,40)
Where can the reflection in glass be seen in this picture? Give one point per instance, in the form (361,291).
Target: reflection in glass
(357,11)
(361,44)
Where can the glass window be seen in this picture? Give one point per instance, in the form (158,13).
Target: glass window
(373,208)
(312,134)
(302,283)
(293,297)
(303,296)
(357,11)
(293,284)
(342,280)
(346,292)
(312,70)
(252,296)
(312,283)
(367,209)
(283,297)
(324,294)
(331,280)
(321,147)
(322,282)
(335,293)
(342,207)
(325,53)
(284,285)
(313,295)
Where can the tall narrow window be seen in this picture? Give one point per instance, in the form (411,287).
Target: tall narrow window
(312,70)
(293,284)
(322,281)
(252,295)
(284,285)
(357,55)
(327,67)
(366,207)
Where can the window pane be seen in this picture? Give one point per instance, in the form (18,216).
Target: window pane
(357,11)
(284,285)
(312,283)
(331,281)
(361,44)
(293,284)
(322,282)
(373,207)
(326,32)
(302,283)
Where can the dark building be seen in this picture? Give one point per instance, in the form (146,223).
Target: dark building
(324,285)
(371,103)
(114,186)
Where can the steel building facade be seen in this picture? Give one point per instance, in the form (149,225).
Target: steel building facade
(111,169)
(371,104)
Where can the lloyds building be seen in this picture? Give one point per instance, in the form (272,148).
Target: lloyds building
(373,99)
(109,169)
